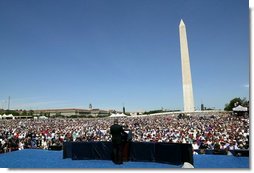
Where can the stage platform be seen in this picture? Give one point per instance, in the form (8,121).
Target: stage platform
(39,159)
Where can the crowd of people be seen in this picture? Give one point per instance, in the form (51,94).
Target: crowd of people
(202,131)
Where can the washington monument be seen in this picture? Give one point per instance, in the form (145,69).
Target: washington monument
(188,99)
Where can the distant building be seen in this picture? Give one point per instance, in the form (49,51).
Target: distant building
(90,106)
(71,112)
(124,110)
(202,107)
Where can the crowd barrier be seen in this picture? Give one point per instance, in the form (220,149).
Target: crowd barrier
(171,153)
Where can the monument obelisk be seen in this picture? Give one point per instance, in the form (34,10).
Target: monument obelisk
(188,99)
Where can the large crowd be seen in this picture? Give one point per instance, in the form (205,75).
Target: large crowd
(202,131)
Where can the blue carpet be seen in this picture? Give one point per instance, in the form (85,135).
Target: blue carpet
(54,159)
(220,161)
(33,158)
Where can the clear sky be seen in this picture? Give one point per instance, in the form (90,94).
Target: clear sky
(110,53)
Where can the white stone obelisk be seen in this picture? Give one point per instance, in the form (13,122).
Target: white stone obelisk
(186,70)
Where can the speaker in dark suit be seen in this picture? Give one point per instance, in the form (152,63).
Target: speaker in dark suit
(117,132)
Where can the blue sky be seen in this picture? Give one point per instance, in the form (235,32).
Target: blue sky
(67,54)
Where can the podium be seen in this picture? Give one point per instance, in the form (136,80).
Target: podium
(126,151)
(127,138)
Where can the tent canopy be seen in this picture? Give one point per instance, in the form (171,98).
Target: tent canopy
(118,115)
(4,116)
(10,115)
(43,117)
(240,108)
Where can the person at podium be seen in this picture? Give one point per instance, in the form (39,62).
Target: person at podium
(117,132)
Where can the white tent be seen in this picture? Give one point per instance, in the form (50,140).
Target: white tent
(8,116)
(240,108)
(43,117)
(118,115)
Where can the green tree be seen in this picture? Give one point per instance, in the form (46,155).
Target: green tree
(13,112)
(31,112)
(245,102)
(24,113)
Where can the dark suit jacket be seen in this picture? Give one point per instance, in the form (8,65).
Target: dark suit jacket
(116,132)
